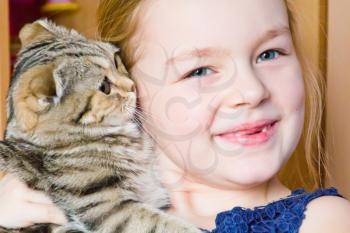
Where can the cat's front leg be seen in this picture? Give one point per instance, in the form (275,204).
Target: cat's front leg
(66,134)
(132,217)
(87,131)
(69,228)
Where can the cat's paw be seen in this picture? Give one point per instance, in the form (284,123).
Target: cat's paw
(178,226)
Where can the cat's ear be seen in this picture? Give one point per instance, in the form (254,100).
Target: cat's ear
(30,93)
(37,90)
(35,32)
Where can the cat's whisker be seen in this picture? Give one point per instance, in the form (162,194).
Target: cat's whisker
(147,132)
(135,119)
(141,125)
(143,113)
(141,116)
(136,112)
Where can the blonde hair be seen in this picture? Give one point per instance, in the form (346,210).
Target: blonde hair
(117,22)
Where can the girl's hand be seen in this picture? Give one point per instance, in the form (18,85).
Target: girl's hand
(21,206)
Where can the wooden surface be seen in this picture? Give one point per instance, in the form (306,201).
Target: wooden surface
(338,95)
(4,61)
(83,20)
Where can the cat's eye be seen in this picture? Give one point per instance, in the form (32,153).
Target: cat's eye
(106,86)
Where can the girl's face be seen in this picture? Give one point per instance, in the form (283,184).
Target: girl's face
(207,67)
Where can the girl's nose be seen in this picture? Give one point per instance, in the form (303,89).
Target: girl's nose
(247,89)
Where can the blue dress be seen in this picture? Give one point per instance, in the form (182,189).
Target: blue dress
(281,216)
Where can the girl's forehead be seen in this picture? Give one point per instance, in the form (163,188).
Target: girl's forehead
(193,22)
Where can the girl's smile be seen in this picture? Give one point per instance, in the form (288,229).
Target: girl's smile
(250,134)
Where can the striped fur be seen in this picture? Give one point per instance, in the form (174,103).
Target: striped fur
(73,135)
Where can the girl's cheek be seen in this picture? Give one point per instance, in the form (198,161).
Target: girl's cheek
(173,109)
(287,89)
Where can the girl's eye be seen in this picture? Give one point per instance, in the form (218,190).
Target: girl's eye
(202,71)
(269,55)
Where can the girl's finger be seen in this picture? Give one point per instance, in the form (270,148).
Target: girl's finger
(37,197)
(44,213)
(10,179)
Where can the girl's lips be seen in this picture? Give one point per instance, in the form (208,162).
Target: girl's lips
(251,137)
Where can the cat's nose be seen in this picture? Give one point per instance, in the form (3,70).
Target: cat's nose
(129,85)
(126,84)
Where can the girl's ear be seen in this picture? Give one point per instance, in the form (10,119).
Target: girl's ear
(34,32)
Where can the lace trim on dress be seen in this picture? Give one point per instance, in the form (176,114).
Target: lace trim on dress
(282,216)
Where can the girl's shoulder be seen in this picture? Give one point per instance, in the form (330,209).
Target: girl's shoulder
(328,213)
(287,214)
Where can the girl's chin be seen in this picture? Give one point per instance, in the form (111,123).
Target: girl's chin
(241,179)
(247,177)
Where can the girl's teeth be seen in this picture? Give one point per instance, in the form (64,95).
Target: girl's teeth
(242,133)
(264,129)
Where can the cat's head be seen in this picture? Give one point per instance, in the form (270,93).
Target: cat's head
(62,78)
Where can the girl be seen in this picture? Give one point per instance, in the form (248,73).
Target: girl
(221,87)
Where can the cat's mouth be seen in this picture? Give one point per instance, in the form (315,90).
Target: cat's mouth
(129,106)
(125,113)
(118,112)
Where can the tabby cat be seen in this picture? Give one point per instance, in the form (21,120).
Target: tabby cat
(73,133)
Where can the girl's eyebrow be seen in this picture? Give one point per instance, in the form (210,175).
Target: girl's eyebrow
(198,53)
(217,51)
(272,33)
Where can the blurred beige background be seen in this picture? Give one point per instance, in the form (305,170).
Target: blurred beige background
(338,94)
